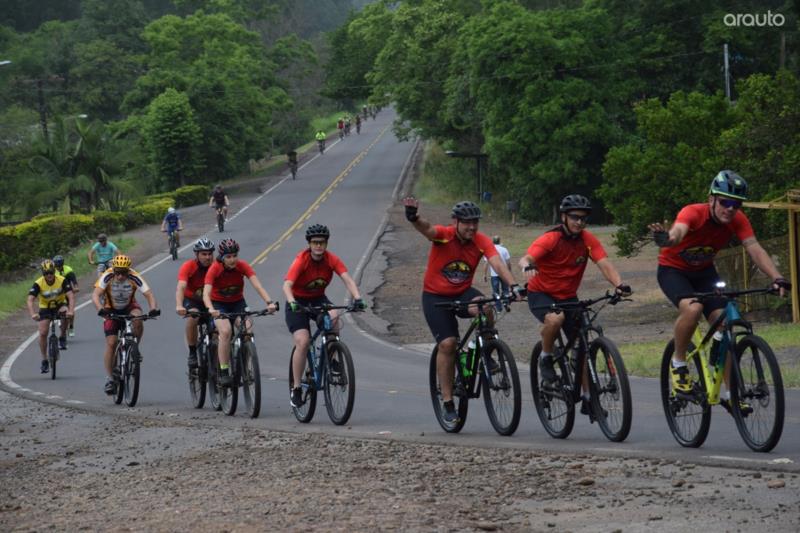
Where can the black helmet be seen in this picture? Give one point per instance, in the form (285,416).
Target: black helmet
(58,260)
(227,246)
(203,245)
(575,202)
(317,230)
(466,211)
(730,184)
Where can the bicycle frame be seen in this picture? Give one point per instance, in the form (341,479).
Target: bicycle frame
(480,327)
(317,362)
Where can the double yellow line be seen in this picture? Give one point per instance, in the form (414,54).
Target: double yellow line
(260,258)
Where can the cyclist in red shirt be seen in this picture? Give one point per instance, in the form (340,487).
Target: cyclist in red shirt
(455,253)
(189,292)
(305,283)
(554,266)
(686,261)
(223,292)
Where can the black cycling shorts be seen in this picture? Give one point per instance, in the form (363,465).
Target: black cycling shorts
(675,283)
(301,319)
(537,303)
(442,321)
(239,306)
(52,314)
(189,304)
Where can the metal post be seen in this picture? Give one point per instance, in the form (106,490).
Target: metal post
(727,74)
(794,263)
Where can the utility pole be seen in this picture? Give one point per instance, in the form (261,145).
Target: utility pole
(727,74)
(782,61)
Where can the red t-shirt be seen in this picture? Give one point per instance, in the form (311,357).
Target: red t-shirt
(228,285)
(452,263)
(561,260)
(309,278)
(194,275)
(705,238)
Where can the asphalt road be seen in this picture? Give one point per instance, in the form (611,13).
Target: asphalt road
(349,189)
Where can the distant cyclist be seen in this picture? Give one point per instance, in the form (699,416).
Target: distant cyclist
(340,127)
(189,291)
(320,136)
(291,159)
(102,252)
(55,298)
(358,124)
(68,274)
(219,200)
(172,225)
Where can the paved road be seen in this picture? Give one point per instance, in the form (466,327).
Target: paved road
(349,189)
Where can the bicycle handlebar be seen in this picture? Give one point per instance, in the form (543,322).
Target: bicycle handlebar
(613,299)
(262,312)
(327,307)
(458,304)
(115,316)
(698,296)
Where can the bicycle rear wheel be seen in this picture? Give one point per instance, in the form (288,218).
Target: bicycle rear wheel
(131,376)
(197,377)
(251,379)
(611,396)
(555,408)
(460,396)
(502,393)
(229,396)
(757,399)
(688,416)
(305,412)
(52,354)
(340,387)
(213,370)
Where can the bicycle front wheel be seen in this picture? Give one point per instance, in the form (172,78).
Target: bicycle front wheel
(611,395)
(197,379)
(340,382)
(119,368)
(229,396)
(131,376)
(688,416)
(305,412)
(52,354)
(460,396)
(251,379)
(501,392)
(220,222)
(757,397)
(553,405)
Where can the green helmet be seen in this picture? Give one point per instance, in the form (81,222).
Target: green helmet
(730,184)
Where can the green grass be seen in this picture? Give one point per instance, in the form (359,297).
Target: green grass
(13,295)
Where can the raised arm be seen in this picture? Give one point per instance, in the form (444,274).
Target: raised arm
(420,224)
(673,237)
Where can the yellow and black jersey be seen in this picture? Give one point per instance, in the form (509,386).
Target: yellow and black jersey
(55,293)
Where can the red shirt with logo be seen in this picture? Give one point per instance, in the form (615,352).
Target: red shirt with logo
(228,285)
(705,238)
(560,261)
(310,278)
(194,275)
(452,263)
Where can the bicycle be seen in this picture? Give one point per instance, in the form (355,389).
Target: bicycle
(321,146)
(244,369)
(755,383)
(127,359)
(293,168)
(341,134)
(53,349)
(486,365)
(206,355)
(173,243)
(220,218)
(102,266)
(586,359)
(329,368)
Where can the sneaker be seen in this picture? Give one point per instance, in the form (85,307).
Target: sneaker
(192,360)
(224,378)
(744,407)
(681,382)
(110,387)
(296,397)
(586,409)
(62,343)
(450,414)
(71,332)
(546,371)
(45,366)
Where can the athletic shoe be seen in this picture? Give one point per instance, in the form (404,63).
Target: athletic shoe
(110,387)
(62,343)
(546,371)
(450,414)
(744,407)
(681,381)
(296,397)
(45,366)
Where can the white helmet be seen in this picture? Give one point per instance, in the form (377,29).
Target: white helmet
(171,210)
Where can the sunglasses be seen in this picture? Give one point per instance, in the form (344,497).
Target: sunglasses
(120,272)
(318,243)
(578,218)
(730,204)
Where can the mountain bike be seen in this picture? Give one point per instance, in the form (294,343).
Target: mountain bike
(586,360)
(173,243)
(127,359)
(321,146)
(206,353)
(358,128)
(486,365)
(53,350)
(329,368)
(220,218)
(244,369)
(102,266)
(745,362)
(341,134)
(293,168)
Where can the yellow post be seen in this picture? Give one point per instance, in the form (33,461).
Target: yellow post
(793,265)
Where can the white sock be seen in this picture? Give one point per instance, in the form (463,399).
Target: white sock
(726,395)
(678,364)
(545,354)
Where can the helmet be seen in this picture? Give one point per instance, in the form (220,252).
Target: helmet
(203,245)
(217,187)
(496,239)
(121,261)
(466,211)
(170,210)
(102,237)
(575,202)
(48,267)
(317,230)
(59,261)
(227,246)
(730,184)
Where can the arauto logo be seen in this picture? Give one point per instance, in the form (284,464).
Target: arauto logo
(754,19)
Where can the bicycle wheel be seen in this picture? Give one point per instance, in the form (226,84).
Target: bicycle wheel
(305,412)
(460,396)
(173,248)
(340,387)
(251,379)
(119,360)
(555,408)
(131,376)
(756,382)
(52,354)
(688,417)
(229,396)
(502,393)
(197,380)
(220,222)
(213,387)
(611,394)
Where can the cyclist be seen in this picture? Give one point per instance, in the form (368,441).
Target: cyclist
(102,252)
(499,287)
(455,253)
(340,127)
(172,224)
(67,272)
(189,292)
(347,124)
(365,111)
(223,292)
(118,285)
(686,262)
(358,123)
(219,200)
(305,283)
(55,298)
(291,159)
(554,265)
(320,136)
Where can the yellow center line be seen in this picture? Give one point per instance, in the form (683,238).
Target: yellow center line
(260,258)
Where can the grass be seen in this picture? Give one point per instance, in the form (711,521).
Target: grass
(13,295)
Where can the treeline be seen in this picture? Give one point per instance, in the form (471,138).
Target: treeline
(620,100)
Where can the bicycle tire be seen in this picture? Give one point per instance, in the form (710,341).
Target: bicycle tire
(119,390)
(503,395)
(340,389)
(197,381)
(52,354)
(173,248)
(131,376)
(220,222)
(691,428)
(764,393)
(213,387)
(555,409)
(611,401)
(229,396)
(460,396)
(305,412)
(251,379)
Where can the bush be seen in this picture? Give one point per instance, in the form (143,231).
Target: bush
(153,211)
(191,195)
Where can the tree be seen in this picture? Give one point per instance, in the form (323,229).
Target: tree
(101,76)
